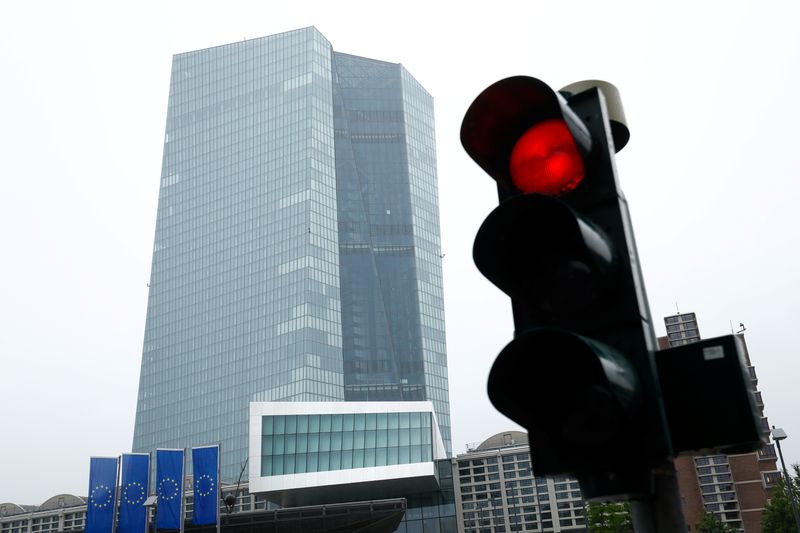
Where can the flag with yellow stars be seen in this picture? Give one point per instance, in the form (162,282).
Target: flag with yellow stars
(135,486)
(102,501)
(205,467)
(169,489)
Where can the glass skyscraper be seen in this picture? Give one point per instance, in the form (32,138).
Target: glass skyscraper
(297,253)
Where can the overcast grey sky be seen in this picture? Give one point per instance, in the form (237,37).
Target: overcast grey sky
(710,174)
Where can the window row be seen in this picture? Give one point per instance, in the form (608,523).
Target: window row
(300,463)
(348,440)
(280,425)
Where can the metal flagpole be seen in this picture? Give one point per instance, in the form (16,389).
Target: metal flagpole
(147,492)
(219,480)
(116,495)
(183,490)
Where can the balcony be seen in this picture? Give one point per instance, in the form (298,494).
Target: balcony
(770,478)
(767,453)
(759,399)
(753,376)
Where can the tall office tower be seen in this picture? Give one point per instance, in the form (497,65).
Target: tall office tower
(733,487)
(297,254)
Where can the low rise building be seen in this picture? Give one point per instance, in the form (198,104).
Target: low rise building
(63,512)
(496,491)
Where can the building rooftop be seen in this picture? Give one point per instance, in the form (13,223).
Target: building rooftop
(503,440)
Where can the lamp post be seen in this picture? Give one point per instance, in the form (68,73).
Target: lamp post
(152,503)
(778,435)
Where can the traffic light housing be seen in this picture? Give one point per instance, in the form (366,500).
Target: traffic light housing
(580,373)
(709,397)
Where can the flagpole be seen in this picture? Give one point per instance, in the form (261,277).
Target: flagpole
(116,495)
(183,490)
(219,481)
(147,492)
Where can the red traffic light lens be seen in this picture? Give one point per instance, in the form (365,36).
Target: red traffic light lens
(546,161)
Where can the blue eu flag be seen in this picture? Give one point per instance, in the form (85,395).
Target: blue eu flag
(169,489)
(102,495)
(135,488)
(205,464)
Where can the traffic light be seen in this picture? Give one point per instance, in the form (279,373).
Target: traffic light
(580,373)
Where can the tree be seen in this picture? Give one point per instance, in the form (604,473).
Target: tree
(609,518)
(778,517)
(711,523)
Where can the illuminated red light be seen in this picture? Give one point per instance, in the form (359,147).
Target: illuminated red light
(545,160)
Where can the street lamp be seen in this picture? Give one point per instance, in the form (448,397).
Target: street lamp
(152,503)
(778,435)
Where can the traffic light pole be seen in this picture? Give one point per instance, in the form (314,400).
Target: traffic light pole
(663,513)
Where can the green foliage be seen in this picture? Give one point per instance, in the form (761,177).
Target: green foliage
(609,518)
(778,517)
(712,524)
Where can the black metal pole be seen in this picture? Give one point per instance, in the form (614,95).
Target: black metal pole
(663,512)
(789,485)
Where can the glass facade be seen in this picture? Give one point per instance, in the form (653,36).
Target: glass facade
(390,264)
(296,444)
(296,253)
(432,512)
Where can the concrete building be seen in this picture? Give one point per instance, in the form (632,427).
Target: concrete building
(63,512)
(297,254)
(496,491)
(251,514)
(733,487)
